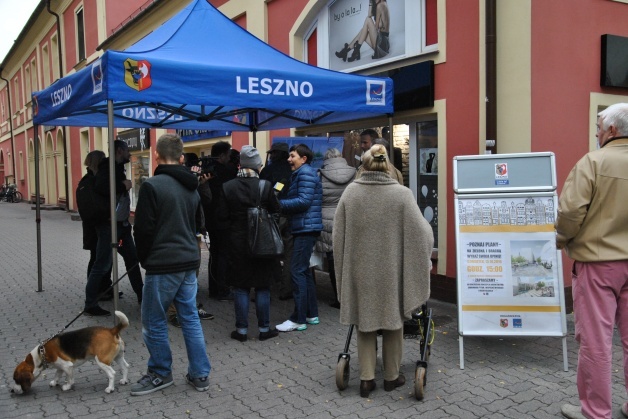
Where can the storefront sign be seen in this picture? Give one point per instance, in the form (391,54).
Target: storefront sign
(200,134)
(137,139)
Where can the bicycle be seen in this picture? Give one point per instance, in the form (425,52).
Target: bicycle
(11,194)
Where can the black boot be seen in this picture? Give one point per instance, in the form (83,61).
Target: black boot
(355,55)
(343,52)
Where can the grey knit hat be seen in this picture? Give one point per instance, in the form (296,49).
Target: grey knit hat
(250,158)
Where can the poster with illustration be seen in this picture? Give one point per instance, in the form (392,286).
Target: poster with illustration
(365,32)
(509,269)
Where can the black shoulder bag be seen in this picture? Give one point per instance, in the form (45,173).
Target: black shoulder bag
(264,236)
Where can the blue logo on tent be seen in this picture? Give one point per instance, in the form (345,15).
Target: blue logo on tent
(97,77)
(376,92)
(516,323)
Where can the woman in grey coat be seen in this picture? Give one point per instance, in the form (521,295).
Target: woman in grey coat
(382,249)
(335,175)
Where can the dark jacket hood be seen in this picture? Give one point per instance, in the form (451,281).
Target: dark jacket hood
(181,173)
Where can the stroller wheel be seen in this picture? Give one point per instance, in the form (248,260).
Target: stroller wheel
(419,382)
(342,373)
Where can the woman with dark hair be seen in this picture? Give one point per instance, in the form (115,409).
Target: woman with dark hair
(90,238)
(244,271)
(382,250)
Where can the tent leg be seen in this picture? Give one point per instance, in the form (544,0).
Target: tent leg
(37,209)
(391,145)
(112,208)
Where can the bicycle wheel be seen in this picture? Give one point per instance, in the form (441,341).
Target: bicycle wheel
(17,197)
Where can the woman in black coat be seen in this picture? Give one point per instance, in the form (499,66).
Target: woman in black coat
(90,239)
(246,272)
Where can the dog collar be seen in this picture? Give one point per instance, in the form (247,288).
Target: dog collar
(42,354)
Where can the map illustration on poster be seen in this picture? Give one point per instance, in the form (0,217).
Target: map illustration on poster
(318,145)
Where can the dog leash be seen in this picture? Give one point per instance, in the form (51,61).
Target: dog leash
(41,345)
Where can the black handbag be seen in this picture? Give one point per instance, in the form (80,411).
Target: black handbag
(264,235)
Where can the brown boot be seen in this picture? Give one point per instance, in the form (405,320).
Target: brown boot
(391,385)
(366,386)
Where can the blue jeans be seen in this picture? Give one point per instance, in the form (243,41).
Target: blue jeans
(305,304)
(102,262)
(159,292)
(262,304)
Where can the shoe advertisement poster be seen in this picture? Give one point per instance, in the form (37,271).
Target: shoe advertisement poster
(364,33)
(509,270)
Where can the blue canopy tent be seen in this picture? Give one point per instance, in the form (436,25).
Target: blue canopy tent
(200,70)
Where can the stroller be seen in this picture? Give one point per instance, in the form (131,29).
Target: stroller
(421,327)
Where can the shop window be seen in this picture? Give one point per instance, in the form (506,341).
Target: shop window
(427,192)
(54,49)
(16,95)
(80,35)
(27,84)
(34,83)
(46,65)
(139,174)
(21,167)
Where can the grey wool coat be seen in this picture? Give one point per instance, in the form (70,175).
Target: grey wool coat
(335,174)
(382,250)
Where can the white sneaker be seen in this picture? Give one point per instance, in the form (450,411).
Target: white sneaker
(289,326)
(572,412)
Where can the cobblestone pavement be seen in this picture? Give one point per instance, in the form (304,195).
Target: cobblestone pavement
(291,376)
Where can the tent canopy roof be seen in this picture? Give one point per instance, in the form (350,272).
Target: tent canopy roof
(200,70)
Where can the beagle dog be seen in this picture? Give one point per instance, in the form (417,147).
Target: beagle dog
(67,350)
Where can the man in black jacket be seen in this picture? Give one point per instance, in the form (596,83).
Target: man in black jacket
(218,232)
(126,246)
(167,217)
(279,172)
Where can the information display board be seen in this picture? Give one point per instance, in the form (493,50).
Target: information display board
(509,276)
(509,270)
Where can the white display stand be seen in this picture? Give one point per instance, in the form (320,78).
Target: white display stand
(509,270)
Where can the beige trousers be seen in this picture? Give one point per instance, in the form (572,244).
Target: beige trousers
(392,351)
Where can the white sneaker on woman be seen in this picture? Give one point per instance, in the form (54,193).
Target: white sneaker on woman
(289,326)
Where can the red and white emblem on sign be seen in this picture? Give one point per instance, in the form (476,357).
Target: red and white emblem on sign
(503,322)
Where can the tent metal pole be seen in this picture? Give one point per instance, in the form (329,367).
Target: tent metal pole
(112,201)
(37,209)
(391,142)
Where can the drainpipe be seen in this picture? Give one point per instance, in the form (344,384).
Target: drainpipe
(65,142)
(10,125)
(491,76)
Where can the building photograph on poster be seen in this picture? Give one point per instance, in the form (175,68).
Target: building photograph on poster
(363,32)
(532,263)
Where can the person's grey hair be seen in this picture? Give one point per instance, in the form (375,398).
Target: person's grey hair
(332,153)
(376,159)
(170,147)
(92,160)
(383,142)
(617,116)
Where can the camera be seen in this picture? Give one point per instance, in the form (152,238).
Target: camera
(206,163)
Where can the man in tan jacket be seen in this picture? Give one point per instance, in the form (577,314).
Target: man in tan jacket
(592,227)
